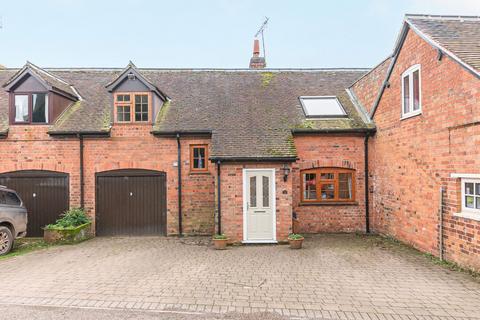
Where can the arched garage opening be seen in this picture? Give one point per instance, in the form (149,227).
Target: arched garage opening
(44,193)
(131,202)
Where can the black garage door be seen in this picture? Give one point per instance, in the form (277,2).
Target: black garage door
(44,193)
(131,202)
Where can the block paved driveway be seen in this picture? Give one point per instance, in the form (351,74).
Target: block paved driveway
(333,277)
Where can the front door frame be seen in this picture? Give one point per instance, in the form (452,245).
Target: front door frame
(274,206)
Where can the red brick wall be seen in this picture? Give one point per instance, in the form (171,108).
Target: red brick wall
(232,203)
(330,151)
(412,158)
(366,89)
(130,146)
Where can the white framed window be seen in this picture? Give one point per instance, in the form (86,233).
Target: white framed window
(471,196)
(322,107)
(411,92)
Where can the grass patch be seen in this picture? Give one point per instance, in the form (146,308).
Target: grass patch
(26,245)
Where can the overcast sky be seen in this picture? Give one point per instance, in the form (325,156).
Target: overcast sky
(207,33)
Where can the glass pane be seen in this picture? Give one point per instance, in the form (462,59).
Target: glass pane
(477,189)
(345,185)
(416,90)
(253,191)
(11,199)
(478,203)
(309,186)
(327,191)
(406,94)
(21,108)
(469,201)
(141,108)
(266,191)
(40,107)
(469,188)
(327,176)
(199,158)
(2,197)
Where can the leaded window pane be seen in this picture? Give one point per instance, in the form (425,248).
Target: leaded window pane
(310,186)
(253,191)
(328,191)
(345,185)
(266,191)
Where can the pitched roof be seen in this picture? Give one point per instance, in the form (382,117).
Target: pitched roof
(51,81)
(249,113)
(456,36)
(459,36)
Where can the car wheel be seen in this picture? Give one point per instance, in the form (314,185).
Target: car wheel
(6,240)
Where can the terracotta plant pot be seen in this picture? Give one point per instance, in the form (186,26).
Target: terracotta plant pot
(295,243)
(220,244)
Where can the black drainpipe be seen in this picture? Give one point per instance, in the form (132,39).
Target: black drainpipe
(367,202)
(179,166)
(82,184)
(219,199)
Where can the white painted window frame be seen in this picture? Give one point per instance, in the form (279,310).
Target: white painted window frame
(465,209)
(409,72)
(274,205)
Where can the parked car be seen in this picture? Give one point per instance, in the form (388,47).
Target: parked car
(13,219)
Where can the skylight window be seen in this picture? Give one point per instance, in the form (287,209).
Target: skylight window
(322,107)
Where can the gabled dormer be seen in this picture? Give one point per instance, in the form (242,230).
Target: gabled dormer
(37,96)
(135,98)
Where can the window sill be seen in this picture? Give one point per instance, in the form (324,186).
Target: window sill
(199,172)
(333,203)
(468,215)
(411,115)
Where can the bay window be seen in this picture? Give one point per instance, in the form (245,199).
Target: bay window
(323,185)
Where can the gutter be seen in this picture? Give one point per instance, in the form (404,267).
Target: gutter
(333,131)
(182,132)
(253,159)
(179,188)
(83,133)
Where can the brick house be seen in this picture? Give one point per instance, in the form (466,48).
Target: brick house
(425,156)
(255,153)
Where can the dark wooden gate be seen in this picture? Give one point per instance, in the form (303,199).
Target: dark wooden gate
(130,202)
(44,193)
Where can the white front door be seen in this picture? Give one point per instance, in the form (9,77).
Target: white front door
(259,205)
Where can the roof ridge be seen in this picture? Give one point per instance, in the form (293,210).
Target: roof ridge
(441,17)
(115,69)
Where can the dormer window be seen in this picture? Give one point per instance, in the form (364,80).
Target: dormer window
(31,107)
(38,96)
(132,107)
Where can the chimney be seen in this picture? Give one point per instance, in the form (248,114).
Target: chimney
(257,62)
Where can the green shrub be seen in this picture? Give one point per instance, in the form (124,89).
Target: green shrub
(295,236)
(70,219)
(220,237)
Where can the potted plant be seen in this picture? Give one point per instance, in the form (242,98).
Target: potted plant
(73,226)
(220,241)
(295,240)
